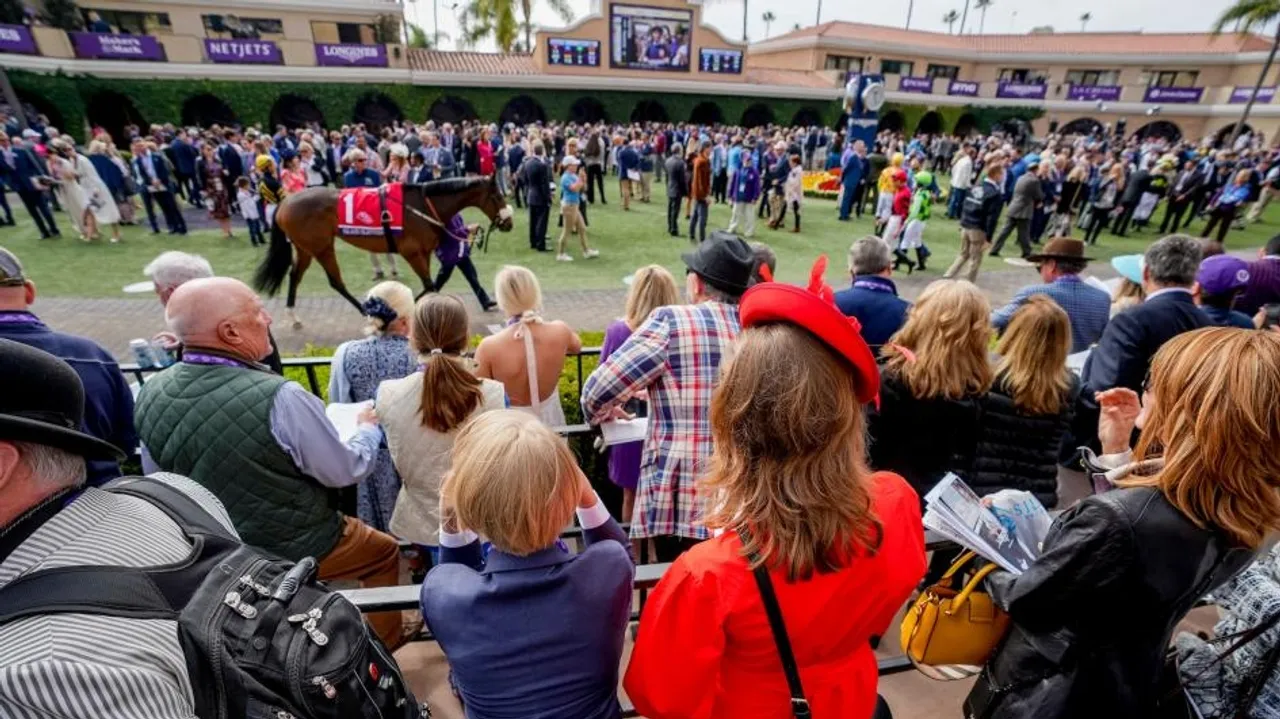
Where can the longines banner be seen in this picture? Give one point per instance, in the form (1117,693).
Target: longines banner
(348,55)
(1173,94)
(1021,90)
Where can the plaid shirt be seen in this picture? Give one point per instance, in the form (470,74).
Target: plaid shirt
(1088,308)
(676,356)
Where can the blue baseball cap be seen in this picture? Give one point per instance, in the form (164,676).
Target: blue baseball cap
(1129,267)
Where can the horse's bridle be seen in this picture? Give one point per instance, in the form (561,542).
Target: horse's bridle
(434,219)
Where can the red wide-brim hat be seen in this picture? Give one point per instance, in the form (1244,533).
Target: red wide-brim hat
(814,310)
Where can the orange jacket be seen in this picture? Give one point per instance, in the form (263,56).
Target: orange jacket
(704,650)
(700,186)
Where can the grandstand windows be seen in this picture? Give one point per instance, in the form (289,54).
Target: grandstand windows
(896,67)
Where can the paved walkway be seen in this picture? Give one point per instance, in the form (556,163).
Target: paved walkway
(328,321)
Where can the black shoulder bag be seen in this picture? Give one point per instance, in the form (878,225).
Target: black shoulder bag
(799,705)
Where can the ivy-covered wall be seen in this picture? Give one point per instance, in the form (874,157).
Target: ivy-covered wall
(162,100)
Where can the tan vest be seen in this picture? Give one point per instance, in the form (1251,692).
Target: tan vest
(421,454)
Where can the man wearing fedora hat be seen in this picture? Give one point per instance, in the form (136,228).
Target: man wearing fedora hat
(675,355)
(72,665)
(108,411)
(1060,265)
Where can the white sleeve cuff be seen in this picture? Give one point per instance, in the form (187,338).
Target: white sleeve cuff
(457,540)
(1117,460)
(594,516)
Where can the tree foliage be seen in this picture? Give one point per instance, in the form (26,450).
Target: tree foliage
(11,12)
(504,22)
(1248,15)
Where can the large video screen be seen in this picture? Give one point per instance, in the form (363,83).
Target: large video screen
(564,51)
(727,62)
(649,38)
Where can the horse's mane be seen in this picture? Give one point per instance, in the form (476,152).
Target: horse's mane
(451,185)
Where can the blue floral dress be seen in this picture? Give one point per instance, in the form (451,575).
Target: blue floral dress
(358,368)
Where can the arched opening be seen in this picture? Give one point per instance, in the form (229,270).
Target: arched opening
(891,121)
(1225,133)
(1160,128)
(649,111)
(33,106)
(114,112)
(376,111)
(1015,128)
(1082,126)
(706,113)
(451,109)
(806,117)
(757,115)
(967,125)
(295,111)
(205,110)
(522,110)
(587,110)
(930,124)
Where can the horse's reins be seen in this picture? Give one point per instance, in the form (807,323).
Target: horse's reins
(434,218)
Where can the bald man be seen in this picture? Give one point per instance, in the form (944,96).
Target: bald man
(261,443)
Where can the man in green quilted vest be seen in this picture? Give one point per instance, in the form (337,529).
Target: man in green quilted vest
(261,443)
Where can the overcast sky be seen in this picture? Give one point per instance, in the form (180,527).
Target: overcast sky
(1004,16)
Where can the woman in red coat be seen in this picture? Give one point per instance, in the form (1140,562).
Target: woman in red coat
(485,150)
(789,489)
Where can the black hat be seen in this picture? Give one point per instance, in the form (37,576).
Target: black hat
(43,403)
(725,261)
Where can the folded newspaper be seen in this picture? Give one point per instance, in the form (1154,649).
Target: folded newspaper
(955,512)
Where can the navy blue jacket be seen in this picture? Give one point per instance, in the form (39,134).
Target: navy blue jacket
(229,158)
(108,403)
(874,301)
(26,167)
(1123,355)
(161,168)
(111,175)
(536,637)
(184,157)
(628,159)
(853,171)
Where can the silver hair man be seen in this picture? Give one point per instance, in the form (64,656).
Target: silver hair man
(869,256)
(171,269)
(1172,262)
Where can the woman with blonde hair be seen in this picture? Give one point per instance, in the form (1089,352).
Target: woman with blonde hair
(359,366)
(422,413)
(530,630)
(397,169)
(652,287)
(528,356)
(803,528)
(1029,406)
(1196,499)
(935,369)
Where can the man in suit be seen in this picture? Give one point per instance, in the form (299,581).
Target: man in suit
(23,171)
(1182,193)
(855,168)
(229,158)
(1028,194)
(152,175)
(873,297)
(184,167)
(1123,354)
(1133,190)
(333,158)
(536,178)
(515,158)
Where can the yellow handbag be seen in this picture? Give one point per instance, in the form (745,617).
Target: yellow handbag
(949,627)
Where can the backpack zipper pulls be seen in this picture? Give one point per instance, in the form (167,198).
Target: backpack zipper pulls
(244,609)
(329,690)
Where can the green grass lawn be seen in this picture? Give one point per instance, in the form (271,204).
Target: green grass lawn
(626,240)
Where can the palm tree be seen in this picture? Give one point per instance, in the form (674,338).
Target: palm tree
(1248,14)
(964,17)
(496,19)
(911,5)
(950,19)
(768,18)
(982,5)
(1084,20)
(819,20)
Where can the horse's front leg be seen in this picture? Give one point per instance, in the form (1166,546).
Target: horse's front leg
(421,264)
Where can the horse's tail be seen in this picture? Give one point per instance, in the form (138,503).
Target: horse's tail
(276,265)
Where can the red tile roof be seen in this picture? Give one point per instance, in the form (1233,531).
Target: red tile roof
(480,63)
(1064,43)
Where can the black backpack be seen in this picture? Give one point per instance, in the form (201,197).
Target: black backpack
(262,638)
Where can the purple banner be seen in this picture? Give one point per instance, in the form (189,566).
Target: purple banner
(108,46)
(1021,90)
(961,87)
(906,83)
(243,52)
(1173,94)
(17,38)
(1241,95)
(1109,93)
(347,55)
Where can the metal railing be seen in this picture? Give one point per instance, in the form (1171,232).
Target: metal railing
(309,364)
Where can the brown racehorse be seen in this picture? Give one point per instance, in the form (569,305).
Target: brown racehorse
(309,220)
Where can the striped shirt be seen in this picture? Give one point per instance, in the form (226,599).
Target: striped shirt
(675,355)
(74,666)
